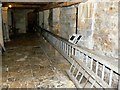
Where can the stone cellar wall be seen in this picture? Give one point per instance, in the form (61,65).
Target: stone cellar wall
(41,19)
(46,16)
(20,19)
(97,23)
(67,21)
(1,32)
(106,29)
(56,21)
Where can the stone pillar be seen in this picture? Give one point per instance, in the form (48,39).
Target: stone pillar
(1,30)
(5,24)
(1,44)
(40,18)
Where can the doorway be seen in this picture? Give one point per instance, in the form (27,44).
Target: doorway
(31,22)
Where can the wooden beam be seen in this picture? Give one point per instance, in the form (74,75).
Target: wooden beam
(40,6)
(40,0)
(59,4)
(25,6)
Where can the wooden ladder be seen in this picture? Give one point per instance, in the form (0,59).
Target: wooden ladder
(84,78)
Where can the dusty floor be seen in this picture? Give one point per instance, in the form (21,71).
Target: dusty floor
(31,62)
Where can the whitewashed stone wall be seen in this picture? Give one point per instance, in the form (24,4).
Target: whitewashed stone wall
(41,19)
(67,21)
(106,29)
(5,23)
(1,30)
(97,23)
(20,17)
(50,20)
(46,16)
(56,21)
(85,20)
(99,27)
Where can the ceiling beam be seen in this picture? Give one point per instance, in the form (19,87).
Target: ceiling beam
(40,5)
(60,4)
(40,0)
(24,6)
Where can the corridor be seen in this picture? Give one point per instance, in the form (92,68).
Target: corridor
(31,62)
(62,44)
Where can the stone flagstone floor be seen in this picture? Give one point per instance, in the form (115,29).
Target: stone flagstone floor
(31,62)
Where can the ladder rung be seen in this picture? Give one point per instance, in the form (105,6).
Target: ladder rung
(80,78)
(86,81)
(71,67)
(77,73)
(103,71)
(97,67)
(91,65)
(110,79)
(74,68)
(93,84)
